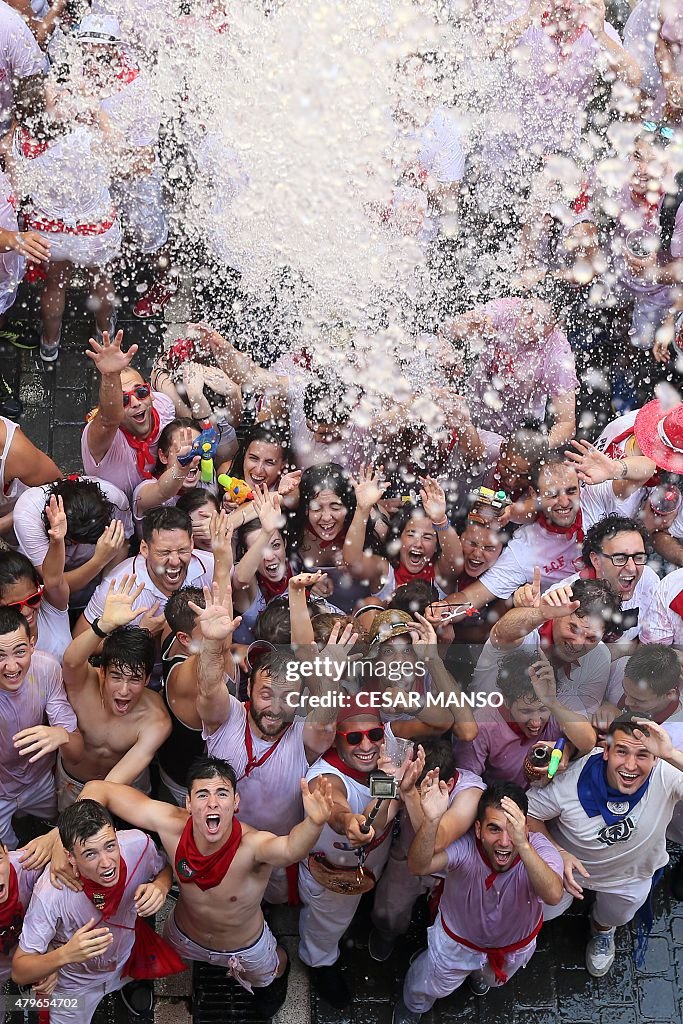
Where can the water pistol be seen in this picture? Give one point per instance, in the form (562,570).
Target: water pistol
(205,447)
(237,490)
(556,757)
(488,505)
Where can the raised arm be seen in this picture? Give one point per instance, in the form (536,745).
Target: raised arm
(217,626)
(426,643)
(56,587)
(134,807)
(156,729)
(369,488)
(450,563)
(575,727)
(283,850)
(118,611)
(546,882)
(111,361)
(422,856)
(515,625)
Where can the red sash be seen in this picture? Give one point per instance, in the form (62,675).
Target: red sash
(143,446)
(333,758)
(249,746)
(11,915)
(495,955)
(205,871)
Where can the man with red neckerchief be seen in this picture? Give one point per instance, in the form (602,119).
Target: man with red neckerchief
(16,886)
(568,624)
(92,923)
(222,868)
(119,443)
(498,877)
(330,883)
(553,542)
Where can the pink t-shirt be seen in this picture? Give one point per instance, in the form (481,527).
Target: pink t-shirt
(119,465)
(26,880)
(31,532)
(497,753)
(55,914)
(41,694)
(508,910)
(281,774)
(512,379)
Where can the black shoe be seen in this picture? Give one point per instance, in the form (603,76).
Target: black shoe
(676,881)
(329,984)
(10,406)
(138,999)
(268,1000)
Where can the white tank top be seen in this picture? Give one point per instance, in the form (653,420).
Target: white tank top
(8,493)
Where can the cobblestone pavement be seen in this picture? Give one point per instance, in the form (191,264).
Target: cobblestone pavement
(554,989)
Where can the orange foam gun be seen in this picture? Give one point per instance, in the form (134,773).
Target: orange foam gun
(237,490)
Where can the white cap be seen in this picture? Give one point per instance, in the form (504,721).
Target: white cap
(99,28)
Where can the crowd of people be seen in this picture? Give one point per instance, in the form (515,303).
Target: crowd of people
(393,608)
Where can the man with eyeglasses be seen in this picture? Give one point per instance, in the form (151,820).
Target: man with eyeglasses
(120,441)
(616,550)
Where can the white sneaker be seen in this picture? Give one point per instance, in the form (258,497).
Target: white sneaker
(49,353)
(600,953)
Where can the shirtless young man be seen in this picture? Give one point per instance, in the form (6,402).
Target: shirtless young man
(223,868)
(123,722)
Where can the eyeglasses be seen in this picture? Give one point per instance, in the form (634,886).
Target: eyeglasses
(620,559)
(32,601)
(354,738)
(141,392)
(665,130)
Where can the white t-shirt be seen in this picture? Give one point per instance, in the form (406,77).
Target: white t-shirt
(199,574)
(31,533)
(556,553)
(20,57)
(640,602)
(663,624)
(614,856)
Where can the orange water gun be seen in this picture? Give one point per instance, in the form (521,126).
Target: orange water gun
(237,490)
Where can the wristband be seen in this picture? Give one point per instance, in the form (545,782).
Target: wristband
(624,465)
(440,527)
(95,626)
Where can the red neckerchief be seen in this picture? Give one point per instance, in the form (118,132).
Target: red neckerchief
(490,879)
(11,915)
(661,716)
(465,580)
(403,575)
(575,530)
(582,201)
(546,634)
(270,589)
(514,726)
(562,39)
(677,604)
(206,872)
(107,899)
(324,544)
(588,573)
(142,446)
(333,758)
(249,745)
(30,147)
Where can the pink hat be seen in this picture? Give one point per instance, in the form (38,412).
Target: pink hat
(660,435)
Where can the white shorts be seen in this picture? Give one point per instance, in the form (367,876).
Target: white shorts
(39,800)
(253,966)
(610,909)
(87,1000)
(92,251)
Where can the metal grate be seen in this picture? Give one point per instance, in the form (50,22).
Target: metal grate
(217,998)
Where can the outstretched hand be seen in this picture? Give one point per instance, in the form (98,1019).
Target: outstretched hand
(109,357)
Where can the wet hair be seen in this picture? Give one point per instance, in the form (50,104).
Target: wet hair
(413,597)
(492,797)
(88,511)
(655,666)
(607,528)
(324,623)
(597,598)
(127,647)
(438,754)
(166,439)
(275,664)
(273,623)
(513,679)
(328,477)
(328,402)
(11,620)
(195,498)
(397,524)
(549,461)
(253,526)
(81,822)
(14,567)
(528,441)
(179,615)
(625,722)
(168,517)
(267,434)
(210,768)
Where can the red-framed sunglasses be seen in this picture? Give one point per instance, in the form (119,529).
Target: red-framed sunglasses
(32,601)
(141,392)
(354,737)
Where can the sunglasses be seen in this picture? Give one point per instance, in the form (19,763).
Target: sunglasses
(666,132)
(141,391)
(621,559)
(32,601)
(355,737)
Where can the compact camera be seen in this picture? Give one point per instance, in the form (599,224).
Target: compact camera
(383,786)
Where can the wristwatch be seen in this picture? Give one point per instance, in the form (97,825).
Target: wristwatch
(95,626)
